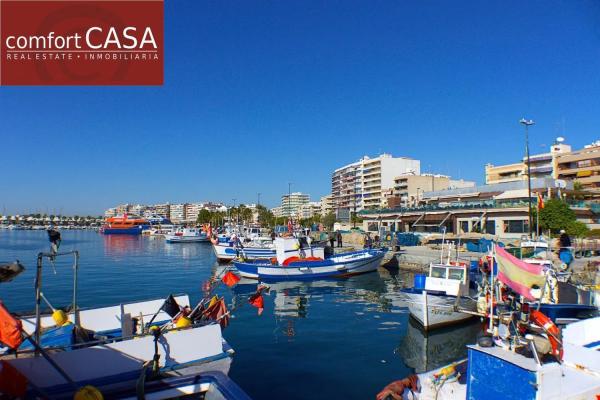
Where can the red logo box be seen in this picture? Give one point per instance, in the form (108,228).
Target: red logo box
(81,42)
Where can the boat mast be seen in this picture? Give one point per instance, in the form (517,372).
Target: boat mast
(528,123)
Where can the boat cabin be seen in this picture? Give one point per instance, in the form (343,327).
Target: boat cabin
(535,252)
(453,279)
(287,247)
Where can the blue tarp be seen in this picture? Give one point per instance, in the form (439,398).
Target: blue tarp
(408,239)
(482,246)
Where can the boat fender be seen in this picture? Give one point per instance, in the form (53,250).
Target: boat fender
(60,317)
(88,393)
(540,319)
(183,322)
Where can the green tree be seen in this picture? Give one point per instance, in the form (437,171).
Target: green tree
(265,216)
(328,220)
(577,229)
(204,216)
(557,215)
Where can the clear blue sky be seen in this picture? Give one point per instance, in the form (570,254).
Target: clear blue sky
(259,93)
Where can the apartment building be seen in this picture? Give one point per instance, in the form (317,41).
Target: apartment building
(163,210)
(290,203)
(177,213)
(366,183)
(582,166)
(277,211)
(327,204)
(541,166)
(309,210)
(191,212)
(408,189)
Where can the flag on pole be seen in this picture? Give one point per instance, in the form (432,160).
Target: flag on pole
(10,329)
(522,277)
(230,278)
(170,306)
(540,201)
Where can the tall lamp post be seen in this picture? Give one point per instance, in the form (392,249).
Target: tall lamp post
(527,124)
(236,217)
(257,205)
(290,200)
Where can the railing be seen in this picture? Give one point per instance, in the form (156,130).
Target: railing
(468,205)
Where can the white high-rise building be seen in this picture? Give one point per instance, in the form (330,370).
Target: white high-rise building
(290,203)
(364,183)
(177,213)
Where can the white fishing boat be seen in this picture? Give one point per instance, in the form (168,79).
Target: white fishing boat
(226,250)
(496,372)
(187,235)
(298,260)
(211,385)
(108,346)
(436,304)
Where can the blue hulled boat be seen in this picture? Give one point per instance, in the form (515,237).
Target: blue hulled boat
(301,261)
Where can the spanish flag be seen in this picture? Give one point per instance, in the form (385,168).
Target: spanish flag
(540,203)
(522,277)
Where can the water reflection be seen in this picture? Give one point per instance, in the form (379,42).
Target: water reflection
(425,351)
(294,298)
(122,245)
(127,245)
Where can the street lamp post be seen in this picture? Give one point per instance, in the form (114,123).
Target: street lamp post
(289,200)
(527,124)
(236,217)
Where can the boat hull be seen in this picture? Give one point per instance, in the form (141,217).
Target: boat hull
(185,239)
(436,310)
(339,266)
(228,253)
(118,364)
(124,231)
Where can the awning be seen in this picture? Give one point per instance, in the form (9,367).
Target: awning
(513,194)
(454,196)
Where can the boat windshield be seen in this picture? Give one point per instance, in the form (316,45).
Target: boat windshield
(438,272)
(456,273)
(534,252)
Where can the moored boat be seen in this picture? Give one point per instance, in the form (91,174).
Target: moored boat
(187,235)
(226,250)
(296,260)
(124,224)
(442,299)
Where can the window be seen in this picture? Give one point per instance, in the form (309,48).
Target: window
(490,227)
(456,273)
(464,226)
(438,272)
(516,226)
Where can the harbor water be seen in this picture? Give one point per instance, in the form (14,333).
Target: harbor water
(328,339)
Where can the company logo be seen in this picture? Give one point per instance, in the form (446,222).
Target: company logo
(81,42)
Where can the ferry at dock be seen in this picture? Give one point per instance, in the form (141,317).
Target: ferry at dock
(124,224)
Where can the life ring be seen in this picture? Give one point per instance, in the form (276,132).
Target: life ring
(538,318)
(312,259)
(292,259)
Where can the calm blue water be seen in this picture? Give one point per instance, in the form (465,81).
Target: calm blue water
(321,339)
